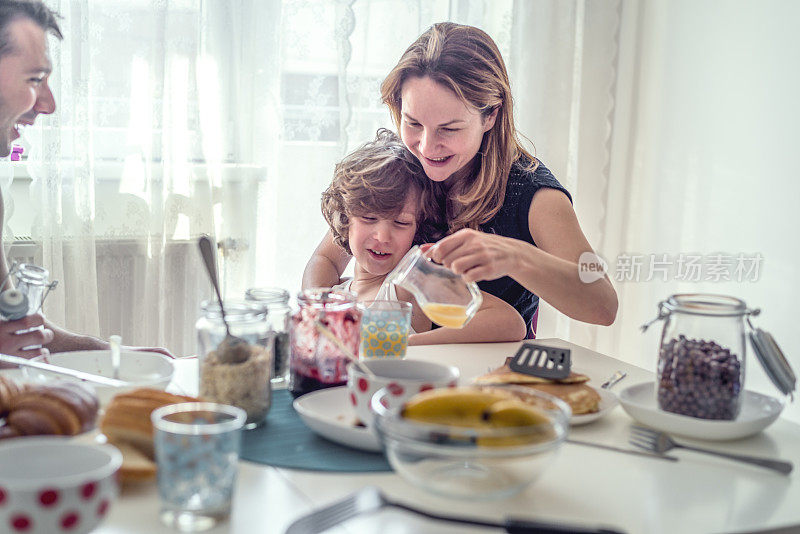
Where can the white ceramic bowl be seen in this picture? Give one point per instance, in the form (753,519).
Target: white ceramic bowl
(139,369)
(403,378)
(54,484)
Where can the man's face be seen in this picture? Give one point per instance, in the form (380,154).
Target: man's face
(24,70)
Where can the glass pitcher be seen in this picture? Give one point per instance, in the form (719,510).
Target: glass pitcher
(444,296)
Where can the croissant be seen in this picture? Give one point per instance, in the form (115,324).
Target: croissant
(64,409)
(8,390)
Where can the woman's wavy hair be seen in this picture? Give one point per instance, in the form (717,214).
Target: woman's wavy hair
(376,178)
(467,61)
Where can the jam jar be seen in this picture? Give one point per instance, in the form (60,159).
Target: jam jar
(237,374)
(317,362)
(278,312)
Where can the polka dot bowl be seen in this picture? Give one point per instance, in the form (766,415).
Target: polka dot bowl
(403,378)
(55,484)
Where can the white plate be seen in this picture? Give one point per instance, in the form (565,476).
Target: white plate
(607,403)
(328,412)
(757,413)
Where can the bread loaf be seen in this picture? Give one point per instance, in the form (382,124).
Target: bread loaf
(126,423)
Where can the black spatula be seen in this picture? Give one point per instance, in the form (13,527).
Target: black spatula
(540,361)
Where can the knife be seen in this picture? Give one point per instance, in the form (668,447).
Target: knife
(89,377)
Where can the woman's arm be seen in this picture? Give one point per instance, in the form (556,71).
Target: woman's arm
(495,321)
(326,265)
(550,269)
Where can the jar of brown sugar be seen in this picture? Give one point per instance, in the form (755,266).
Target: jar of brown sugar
(242,381)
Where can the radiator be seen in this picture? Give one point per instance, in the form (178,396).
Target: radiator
(149,298)
(24,250)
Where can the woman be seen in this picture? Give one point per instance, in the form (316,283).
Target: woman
(511,224)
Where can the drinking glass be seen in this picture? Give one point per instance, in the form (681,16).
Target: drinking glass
(384,328)
(197,450)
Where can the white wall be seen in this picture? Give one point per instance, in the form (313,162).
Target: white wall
(710,159)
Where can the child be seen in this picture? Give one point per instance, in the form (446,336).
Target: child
(378,206)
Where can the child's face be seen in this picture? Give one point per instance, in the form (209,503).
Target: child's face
(378,243)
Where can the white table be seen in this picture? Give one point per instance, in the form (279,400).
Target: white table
(584,485)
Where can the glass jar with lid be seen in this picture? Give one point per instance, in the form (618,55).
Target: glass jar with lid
(318,361)
(31,284)
(277,302)
(243,381)
(701,359)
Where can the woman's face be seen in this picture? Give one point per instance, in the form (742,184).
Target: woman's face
(442,131)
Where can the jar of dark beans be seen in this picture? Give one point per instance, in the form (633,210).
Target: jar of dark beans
(278,313)
(701,360)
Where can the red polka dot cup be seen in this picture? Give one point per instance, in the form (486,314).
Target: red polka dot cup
(54,484)
(403,378)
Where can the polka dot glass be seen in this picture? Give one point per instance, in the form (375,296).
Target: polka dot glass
(197,450)
(384,328)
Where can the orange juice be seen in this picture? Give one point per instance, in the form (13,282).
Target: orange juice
(449,315)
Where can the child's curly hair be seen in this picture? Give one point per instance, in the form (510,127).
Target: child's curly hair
(376,178)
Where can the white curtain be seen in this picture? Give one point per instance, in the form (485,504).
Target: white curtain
(703,166)
(144,154)
(671,123)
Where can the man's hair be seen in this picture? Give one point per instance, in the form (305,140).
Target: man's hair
(376,178)
(34,10)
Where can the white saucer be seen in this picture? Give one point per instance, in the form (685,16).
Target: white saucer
(757,413)
(607,403)
(328,412)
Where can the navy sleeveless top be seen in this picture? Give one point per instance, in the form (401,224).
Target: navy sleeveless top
(512,221)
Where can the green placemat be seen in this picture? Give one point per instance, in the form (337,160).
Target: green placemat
(285,441)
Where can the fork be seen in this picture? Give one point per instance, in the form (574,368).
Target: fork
(660,442)
(370,499)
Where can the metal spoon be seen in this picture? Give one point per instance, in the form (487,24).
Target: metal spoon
(325,331)
(226,351)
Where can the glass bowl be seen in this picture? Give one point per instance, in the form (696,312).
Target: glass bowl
(471,463)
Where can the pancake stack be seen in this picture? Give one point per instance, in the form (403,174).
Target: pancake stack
(573,389)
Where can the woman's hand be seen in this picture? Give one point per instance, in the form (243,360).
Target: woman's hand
(13,343)
(476,255)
